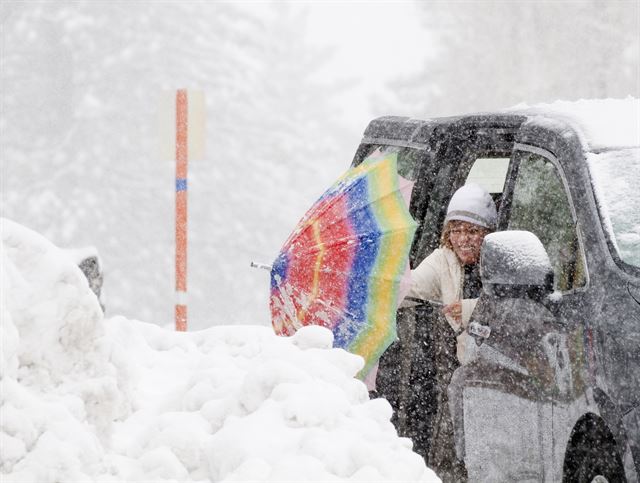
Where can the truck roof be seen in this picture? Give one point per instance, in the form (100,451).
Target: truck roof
(601,124)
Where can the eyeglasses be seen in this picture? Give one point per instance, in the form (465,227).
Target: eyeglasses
(470,232)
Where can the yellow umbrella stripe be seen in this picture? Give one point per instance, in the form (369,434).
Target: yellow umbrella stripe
(382,297)
(390,212)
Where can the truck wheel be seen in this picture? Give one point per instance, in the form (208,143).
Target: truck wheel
(596,464)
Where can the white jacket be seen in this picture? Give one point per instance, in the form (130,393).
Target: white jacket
(440,277)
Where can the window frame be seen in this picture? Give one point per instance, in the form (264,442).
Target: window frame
(454,151)
(504,214)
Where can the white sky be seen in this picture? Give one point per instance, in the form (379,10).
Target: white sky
(372,42)
(376,41)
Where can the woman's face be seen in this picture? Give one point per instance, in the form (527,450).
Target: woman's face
(466,240)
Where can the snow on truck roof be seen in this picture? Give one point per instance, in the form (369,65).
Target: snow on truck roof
(601,123)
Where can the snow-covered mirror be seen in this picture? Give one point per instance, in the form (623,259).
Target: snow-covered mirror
(515,264)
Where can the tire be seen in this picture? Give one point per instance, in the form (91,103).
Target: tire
(595,464)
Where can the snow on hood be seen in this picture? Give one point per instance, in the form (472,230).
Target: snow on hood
(602,123)
(92,399)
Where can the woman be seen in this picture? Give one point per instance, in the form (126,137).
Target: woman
(451,273)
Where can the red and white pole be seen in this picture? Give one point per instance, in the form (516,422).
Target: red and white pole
(182,132)
(182,152)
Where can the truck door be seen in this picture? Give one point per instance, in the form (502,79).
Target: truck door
(534,338)
(500,402)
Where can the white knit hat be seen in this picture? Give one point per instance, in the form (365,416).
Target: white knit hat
(473,204)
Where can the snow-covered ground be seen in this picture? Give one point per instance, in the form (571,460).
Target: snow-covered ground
(86,398)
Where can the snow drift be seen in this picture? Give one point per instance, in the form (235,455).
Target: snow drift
(91,399)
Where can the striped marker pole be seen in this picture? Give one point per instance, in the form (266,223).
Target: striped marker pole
(182,129)
(181,123)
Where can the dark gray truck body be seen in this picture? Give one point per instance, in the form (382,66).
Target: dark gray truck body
(554,394)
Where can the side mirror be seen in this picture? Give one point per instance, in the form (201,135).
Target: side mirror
(514,264)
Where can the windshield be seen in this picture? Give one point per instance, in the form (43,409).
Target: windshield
(615,177)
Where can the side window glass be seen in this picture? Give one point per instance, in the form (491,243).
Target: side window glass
(407,158)
(540,205)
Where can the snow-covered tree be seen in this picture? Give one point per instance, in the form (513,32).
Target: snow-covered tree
(81,89)
(495,54)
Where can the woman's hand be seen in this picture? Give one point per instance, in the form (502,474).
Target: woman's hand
(453,310)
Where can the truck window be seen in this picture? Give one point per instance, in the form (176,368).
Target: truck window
(408,158)
(489,173)
(540,205)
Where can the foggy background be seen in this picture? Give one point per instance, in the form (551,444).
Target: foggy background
(289,90)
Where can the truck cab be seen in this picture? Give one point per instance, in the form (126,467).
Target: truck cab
(553,391)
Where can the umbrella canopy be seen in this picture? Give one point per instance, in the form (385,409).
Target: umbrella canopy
(345,265)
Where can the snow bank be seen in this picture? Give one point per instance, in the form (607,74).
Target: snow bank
(92,399)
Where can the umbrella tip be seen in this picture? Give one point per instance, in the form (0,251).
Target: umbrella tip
(260,265)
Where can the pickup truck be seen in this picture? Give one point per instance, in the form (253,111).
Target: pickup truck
(553,393)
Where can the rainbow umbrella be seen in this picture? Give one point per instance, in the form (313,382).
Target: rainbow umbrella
(345,265)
